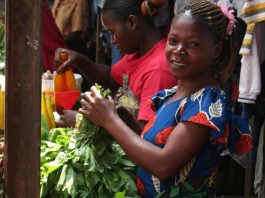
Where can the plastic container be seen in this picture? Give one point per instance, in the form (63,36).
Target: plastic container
(65,91)
(2,102)
(48,88)
(48,85)
(2,82)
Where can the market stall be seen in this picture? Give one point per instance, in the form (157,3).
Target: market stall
(20,101)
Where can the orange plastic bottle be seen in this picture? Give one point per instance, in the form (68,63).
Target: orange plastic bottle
(66,92)
(64,81)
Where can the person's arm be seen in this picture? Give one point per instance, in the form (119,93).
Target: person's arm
(68,119)
(129,119)
(182,145)
(95,73)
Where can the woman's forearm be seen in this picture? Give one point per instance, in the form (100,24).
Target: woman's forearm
(96,73)
(143,153)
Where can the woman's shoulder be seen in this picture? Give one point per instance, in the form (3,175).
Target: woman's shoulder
(210,99)
(212,107)
(162,96)
(209,95)
(209,106)
(211,91)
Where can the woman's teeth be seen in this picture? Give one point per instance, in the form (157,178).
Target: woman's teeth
(176,64)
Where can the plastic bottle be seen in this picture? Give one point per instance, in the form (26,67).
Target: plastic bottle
(64,81)
(65,90)
(2,109)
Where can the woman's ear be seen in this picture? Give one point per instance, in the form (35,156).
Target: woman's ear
(217,50)
(132,22)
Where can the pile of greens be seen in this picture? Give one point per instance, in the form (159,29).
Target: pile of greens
(85,162)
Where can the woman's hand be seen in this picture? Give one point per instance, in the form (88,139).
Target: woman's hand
(99,110)
(63,66)
(67,119)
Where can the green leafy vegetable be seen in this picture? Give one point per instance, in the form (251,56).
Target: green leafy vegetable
(85,162)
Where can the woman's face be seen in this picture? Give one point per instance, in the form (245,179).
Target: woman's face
(121,34)
(190,49)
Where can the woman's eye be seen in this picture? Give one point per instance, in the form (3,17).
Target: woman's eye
(172,41)
(193,45)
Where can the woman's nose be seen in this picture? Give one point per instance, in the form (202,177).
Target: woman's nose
(180,51)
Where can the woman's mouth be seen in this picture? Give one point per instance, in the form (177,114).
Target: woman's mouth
(177,64)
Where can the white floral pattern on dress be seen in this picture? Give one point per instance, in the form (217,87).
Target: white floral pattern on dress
(216,109)
(185,170)
(156,183)
(197,94)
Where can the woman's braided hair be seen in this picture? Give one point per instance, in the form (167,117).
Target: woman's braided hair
(121,9)
(217,23)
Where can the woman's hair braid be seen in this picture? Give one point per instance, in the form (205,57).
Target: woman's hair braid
(121,9)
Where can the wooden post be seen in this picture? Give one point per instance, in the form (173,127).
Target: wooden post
(22,96)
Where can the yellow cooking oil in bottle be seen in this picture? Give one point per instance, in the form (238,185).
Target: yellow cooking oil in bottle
(2,108)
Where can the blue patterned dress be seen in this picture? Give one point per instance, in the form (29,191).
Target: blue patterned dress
(229,134)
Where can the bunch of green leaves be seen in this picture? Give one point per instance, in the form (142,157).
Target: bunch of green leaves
(85,162)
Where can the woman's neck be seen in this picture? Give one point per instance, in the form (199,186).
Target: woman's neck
(148,40)
(188,87)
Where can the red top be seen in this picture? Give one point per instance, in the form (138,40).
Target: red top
(51,39)
(147,75)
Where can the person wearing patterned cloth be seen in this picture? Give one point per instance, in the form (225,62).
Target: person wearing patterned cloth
(181,147)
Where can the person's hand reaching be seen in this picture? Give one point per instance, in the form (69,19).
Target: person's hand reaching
(67,119)
(62,66)
(99,110)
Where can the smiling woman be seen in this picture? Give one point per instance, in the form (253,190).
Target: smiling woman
(194,126)
(189,50)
